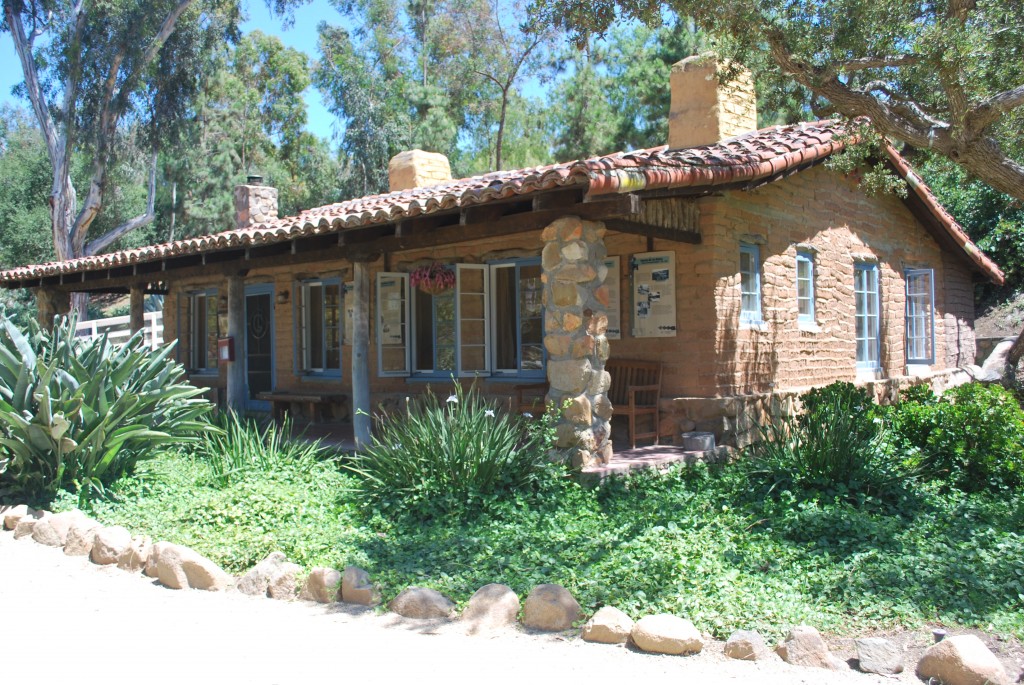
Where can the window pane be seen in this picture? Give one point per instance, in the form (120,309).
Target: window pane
(920,318)
(198,341)
(531,322)
(805,287)
(424,305)
(504,285)
(332,326)
(211,331)
(867,315)
(315,326)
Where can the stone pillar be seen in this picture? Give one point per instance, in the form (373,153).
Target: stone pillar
(575,306)
(51,302)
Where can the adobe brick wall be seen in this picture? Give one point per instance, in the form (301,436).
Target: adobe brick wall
(712,356)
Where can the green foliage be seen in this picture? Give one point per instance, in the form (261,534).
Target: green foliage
(242,448)
(441,454)
(835,444)
(972,438)
(78,414)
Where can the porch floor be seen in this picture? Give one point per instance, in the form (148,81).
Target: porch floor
(623,460)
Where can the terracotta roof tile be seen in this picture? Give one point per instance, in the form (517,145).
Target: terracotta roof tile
(748,158)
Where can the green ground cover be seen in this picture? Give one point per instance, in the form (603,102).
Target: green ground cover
(698,542)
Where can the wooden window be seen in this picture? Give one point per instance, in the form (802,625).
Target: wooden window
(805,287)
(866,301)
(920,316)
(393,346)
(203,331)
(320,327)
(750,283)
(518,316)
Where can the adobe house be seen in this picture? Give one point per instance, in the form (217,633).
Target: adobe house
(731,257)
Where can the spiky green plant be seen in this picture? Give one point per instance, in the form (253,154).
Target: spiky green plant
(78,413)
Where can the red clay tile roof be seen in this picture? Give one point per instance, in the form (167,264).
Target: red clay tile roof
(752,157)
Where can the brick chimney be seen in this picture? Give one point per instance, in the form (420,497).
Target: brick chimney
(704,110)
(255,203)
(417,169)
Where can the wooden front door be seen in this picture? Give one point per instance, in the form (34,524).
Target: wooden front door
(259,343)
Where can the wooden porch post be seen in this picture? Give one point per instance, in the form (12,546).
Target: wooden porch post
(361,354)
(137,314)
(236,330)
(51,302)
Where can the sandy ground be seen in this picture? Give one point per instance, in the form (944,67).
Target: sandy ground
(67,620)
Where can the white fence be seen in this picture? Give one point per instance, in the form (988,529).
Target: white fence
(118,328)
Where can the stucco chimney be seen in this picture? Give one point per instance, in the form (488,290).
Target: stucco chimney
(416,169)
(704,109)
(255,203)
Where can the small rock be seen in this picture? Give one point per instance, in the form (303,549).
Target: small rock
(109,543)
(152,570)
(746,645)
(421,602)
(257,580)
(25,526)
(14,514)
(877,655)
(666,634)
(492,607)
(804,647)
(283,583)
(962,660)
(180,568)
(356,587)
(80,537)
(609,626)
(322,585)
(550,607)
(53,530)
(135,557)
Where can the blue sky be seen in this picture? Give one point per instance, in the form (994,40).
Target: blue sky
(301,36)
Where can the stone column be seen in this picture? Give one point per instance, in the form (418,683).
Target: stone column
(51,302)
(575,302)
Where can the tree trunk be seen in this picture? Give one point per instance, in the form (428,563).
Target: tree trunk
(501,128)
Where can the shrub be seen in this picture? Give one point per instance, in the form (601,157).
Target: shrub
(79,413)
(446,452)
(242,447)
(836,442)
(972,437)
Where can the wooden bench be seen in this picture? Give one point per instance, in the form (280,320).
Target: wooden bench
(282,402)
(635,391)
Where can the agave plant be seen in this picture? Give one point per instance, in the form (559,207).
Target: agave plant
(78,413)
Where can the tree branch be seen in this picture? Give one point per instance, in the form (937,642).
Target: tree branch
(989,111)
(877,63)
(23,46)
(103,241)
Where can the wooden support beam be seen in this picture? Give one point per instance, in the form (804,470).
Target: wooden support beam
(236,399)
(361,355)
(638,228)
(136,308)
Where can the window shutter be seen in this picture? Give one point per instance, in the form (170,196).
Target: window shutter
(472,320)
(392,324)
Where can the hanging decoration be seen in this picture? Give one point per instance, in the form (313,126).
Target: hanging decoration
(433,279)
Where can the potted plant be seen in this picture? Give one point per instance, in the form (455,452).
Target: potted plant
(433,279)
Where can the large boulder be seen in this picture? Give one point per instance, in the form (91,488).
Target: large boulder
(26,524)
(53,530)
(878,655)
(550,607)
(80,537)
(257,580)
(746,645)
(492,607)
(322,585)
(13,514)
(152,568)
(109,543)
(135,557)
(609,626)
(421,602)
(666,634)
(356,587)
(284,582)
(180,568)
(805,647)
(962,660)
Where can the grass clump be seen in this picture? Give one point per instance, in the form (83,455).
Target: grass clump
(445,453)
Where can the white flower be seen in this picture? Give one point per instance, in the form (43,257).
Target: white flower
(489,412)
(527,414)
(452,399)
(877,420)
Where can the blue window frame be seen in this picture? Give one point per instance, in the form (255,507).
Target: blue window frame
(518,319)
(450,330)
(750,283)
(805,286)
(867,313)
(204,329)
(320,327)
(920,316)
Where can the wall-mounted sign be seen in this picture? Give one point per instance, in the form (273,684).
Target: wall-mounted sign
(614,282)
(653,286)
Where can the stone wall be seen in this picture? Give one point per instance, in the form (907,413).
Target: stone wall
(575,321)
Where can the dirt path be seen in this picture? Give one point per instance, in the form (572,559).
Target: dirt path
(66,620)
